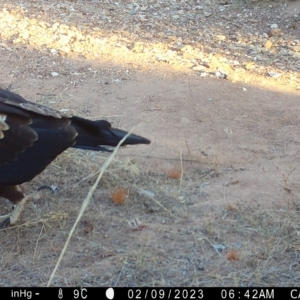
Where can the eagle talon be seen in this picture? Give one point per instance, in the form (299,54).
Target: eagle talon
(52,188)
(5,223)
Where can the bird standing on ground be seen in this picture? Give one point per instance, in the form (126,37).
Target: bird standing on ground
(33,135)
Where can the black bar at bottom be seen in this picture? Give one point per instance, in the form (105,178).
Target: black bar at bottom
(159,293)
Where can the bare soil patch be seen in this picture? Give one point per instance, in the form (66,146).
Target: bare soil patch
(213,201)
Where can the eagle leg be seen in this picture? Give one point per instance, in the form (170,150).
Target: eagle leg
(15,194)
(14,217)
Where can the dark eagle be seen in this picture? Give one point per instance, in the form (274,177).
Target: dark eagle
(32,136)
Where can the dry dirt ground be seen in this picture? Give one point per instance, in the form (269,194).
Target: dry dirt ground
(213,201)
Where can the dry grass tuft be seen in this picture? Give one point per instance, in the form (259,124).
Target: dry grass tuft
(232,255)
(231,207)
(174,173)
(119,195)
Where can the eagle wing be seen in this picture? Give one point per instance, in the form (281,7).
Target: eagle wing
(26,150)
